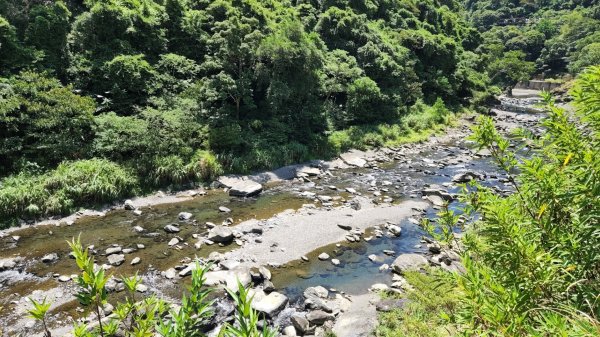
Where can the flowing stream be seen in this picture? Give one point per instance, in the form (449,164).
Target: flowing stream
(399,180)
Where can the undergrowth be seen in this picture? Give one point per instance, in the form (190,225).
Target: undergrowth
(428,309)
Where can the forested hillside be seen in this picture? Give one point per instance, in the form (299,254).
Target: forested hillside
(549,37)
(166,92)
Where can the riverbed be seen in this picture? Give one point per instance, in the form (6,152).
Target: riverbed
(285,228)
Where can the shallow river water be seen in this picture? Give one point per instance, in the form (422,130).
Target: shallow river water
(400,180)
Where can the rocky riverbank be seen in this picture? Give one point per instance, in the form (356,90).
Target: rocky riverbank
(355,200)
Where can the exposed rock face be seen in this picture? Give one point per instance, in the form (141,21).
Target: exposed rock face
(408,261)
(220,234)
(271,304)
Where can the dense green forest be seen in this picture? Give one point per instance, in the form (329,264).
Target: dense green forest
(549,37)
(165,92)
(140,94)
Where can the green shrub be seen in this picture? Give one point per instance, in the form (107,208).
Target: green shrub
(533,264)
(169,170)
(71,184)
(428,306)
(92,180)
(204,166)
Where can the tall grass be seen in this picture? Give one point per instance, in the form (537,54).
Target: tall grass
(427,308)
(71,184)
(173,169)
(417,125)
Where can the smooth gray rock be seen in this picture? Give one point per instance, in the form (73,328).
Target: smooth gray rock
(436,200)
(49,257)
(245,188)
(184,216)
(354,158)
(116,259)
(319,317)
(387,305)
(271,304)
(395,230)
(113,250)
(128,205)
(300,323)
(437,191)
(172,229)
(220,234)
(408,261)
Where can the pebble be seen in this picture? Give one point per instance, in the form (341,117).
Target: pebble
(141,288)
(64,278)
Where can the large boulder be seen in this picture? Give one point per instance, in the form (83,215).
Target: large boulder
(228,278)
(319,317)
(271,304)
(406,262)
(300,323)
(307,171)
(436,200)
(240,186)
(245,188)
(354,158)
(220,234)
